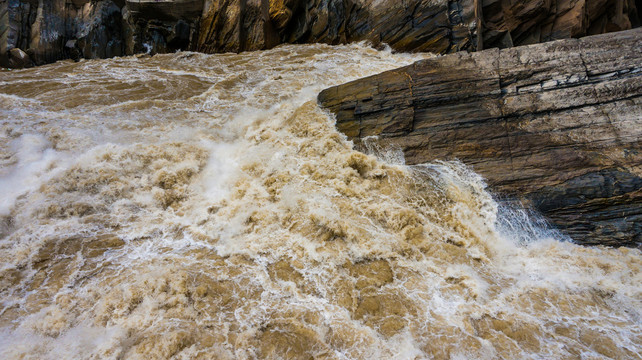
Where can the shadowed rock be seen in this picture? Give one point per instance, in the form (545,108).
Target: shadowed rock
(513,23)
(440,26)
(18,58)
(43,29)
(557,125)
(106,28)
(160,26)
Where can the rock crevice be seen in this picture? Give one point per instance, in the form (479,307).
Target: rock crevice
(46,31)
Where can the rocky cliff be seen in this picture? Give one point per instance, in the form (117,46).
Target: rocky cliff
(42,31)
(438,25)
(557,125)
(512,23)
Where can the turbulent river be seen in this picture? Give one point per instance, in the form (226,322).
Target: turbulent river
(194,206)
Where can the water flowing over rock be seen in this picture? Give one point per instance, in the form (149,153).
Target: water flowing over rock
(194,206)
(558,125)
(107,28)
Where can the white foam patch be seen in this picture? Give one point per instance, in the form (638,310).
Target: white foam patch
(36,164)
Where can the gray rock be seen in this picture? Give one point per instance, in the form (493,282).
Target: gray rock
(19,59)
(42,28)
(161,26)
(515,23)
(557,125)
(106,28)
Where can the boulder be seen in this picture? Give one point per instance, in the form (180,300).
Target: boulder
(19,59)
(556,125)
(72,49)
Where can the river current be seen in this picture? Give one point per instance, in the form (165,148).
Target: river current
(193,206)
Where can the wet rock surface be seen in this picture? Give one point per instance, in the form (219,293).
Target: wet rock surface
(557,125)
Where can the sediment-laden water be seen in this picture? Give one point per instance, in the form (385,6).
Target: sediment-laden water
(194,206)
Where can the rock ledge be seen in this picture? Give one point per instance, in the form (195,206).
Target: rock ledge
(557,125)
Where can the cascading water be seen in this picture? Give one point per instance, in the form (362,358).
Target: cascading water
(194,206)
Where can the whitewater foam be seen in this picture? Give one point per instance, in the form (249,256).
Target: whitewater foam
(195,206)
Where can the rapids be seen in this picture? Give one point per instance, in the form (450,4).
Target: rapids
(193,206)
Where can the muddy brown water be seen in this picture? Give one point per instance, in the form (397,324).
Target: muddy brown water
(192,206)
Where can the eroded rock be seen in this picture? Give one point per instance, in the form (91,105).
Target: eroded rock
(160,26)
(508,24)
(106,28)
(43,29)
(438,26)
(557,125)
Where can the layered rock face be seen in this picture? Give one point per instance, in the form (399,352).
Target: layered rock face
(557,125)
(420,25)
(49,30)
(511,23)
(439,26)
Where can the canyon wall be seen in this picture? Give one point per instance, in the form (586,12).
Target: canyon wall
(34,32)
(557,125)
(37,32)
(510,23)
(439,26)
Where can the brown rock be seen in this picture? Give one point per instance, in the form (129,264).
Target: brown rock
(220,28)
(281,12)
(106,28)
(513,23)
(19,59)
(419,25)
(557,125)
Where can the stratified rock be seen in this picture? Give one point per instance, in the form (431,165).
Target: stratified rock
(105,28)
(513,23)
(557,125)
(439,26)
(220,28)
